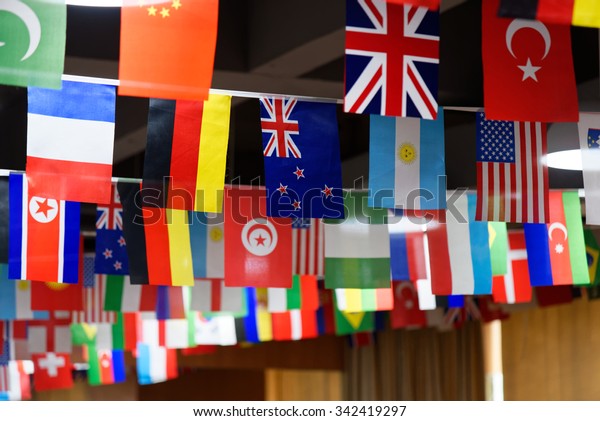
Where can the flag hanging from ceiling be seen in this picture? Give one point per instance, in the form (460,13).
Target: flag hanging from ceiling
(392,56)
(556,250)
(186,152)
(15,299)
(70,138)
(167,49)
(431,4)
(33,38)
(564,12)
(257,248)
(406,163)
(354,300)
(208,245)
(4,215)
(212,296)
(122,296)
(357,249)
(459,251)
(589,143)
(158,239)
(592,252)
(294,325)
(217,330)
(52,371)
(512,177)
(514,286)
(301,148)
(528,69)
(308,247)
(498,234)
(52,335)
(348,323)
(304,295)
(15,384)
(407,250)
(111,250)
(106,365)
(257,325)
(94,294)
(44,236)
(406,311)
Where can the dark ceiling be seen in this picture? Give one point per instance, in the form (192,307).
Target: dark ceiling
(296,47)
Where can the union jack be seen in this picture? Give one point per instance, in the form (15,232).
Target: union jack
(392,56)
(110,216)
(280,127)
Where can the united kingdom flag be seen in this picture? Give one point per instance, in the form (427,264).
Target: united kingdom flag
(392,56)
(280,127)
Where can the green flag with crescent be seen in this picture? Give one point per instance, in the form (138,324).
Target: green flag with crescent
(32,42)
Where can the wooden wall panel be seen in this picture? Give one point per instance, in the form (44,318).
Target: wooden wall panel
(303,385)
(552,353)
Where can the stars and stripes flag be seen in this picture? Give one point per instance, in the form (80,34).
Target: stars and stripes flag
(94,290)
(308,247)
(392,56)
(512,179)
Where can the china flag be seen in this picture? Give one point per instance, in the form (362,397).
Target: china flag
(167,48)
(258,249)
(527,69)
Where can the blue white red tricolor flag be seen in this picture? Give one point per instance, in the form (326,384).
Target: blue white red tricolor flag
(111,250)
(392,56)
(301,148)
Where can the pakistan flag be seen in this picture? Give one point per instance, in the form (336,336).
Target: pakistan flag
(32,42)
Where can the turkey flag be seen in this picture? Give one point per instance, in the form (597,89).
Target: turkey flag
(528,70)
(406,312)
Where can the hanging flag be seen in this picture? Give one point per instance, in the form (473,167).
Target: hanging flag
(70,138)
(158,240)
(281,300)
(53,296)
(257,325)
(33,42)
(498,235)
(4,215)
(357,249)
(257,248)
(431,4)
(564,12)
(459,251)
(207,242)
(106,365)
(406,312)
(167,50)
(171,302)
(125,331)
(348,323)
(308,247)
(301,148)
(589,143)
(122,296)
(155,364)
(186,152)
(353,300)
(326,311)
(514,286)
(592,252)
(94,291)
(407,251)
(406,163)
(392,56)
(52,371)
(15,384)
(111,250)
(556,250)
(52,335)
(527,69)
(512,177)
(44,236)
(294,325)
(15,299)
(212,296)
(218,330)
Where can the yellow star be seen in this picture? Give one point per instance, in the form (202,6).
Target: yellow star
(164,12)
(176,4)
(152,11)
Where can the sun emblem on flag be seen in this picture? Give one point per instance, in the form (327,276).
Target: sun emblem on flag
(23,285)
(407,153)
(216,234)
(55,286)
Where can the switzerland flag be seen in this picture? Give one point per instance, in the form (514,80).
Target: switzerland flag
(527,69)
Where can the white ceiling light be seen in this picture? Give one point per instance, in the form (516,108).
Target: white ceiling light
(565,160)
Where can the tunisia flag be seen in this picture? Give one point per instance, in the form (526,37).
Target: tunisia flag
(258,249)
(527,69)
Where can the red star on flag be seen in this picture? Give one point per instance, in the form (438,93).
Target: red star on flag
(121,241)
(107,254)
(299,173)
(260,240)
(282,189)
(43,207)
(327,191)
(296,205)
(118,265)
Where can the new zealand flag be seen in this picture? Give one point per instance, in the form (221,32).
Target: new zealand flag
(111,251)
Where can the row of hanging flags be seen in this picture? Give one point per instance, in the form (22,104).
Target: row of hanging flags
(183,261)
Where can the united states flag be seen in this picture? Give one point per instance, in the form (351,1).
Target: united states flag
(308,247)
(512,179)
(94,289)
(392,56)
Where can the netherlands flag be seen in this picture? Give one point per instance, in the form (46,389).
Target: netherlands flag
(44,236)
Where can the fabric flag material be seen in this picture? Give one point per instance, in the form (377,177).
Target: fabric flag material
(406,312)
(354,300)
(392,56)
(33,39)
(56,297)
(186,151)
(281,300)
(70,138)
(167,51)
(122,296)
(348,323)
(564,12)
(556,250)
(172,302)
(498,235)
(589,143)
(528,72)
(294,325)
(52,371)
(44,236)
(431,4)
(512,177)
(219,330)
(155,364)
(257,325)
(514,286)
(301,148)
(111,250)
(210,296)
(308,247)
(15,384)
(407,251)
(15,299)
(208,245)
(4,218)
(406,163)
(52,335)
(592,252)
(94,292)
(158,239)
(257,248)
(357,249)
(459,251)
